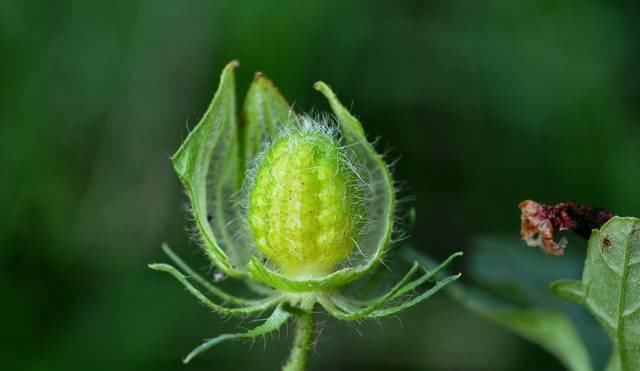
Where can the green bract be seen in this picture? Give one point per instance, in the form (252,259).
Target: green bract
(298,207)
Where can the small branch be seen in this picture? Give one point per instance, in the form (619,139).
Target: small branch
(541,222)
(303,342)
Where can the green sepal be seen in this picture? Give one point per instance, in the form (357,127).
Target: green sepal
(265,113)
(381,193)
(260,273)
(192,163)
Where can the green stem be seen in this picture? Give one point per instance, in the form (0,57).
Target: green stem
(303,342)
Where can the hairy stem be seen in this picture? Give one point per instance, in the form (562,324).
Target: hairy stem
(303,342)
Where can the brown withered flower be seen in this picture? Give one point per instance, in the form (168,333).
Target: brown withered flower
(541,222)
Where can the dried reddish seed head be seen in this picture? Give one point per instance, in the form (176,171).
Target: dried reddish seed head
(541,222)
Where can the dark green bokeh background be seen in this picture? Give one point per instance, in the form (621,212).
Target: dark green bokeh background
(486,102)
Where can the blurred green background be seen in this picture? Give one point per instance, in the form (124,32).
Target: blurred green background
(486,102)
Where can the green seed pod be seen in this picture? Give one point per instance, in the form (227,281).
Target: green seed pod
(303,210)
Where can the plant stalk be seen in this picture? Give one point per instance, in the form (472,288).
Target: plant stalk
(302,343)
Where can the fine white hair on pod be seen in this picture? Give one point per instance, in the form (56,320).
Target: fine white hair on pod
(361,181)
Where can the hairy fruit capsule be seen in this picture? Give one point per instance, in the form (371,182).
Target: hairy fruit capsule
(303,210)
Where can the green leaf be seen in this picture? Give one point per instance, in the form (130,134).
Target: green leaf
(265,113)
(551,330)
(610,288)
(207,163)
